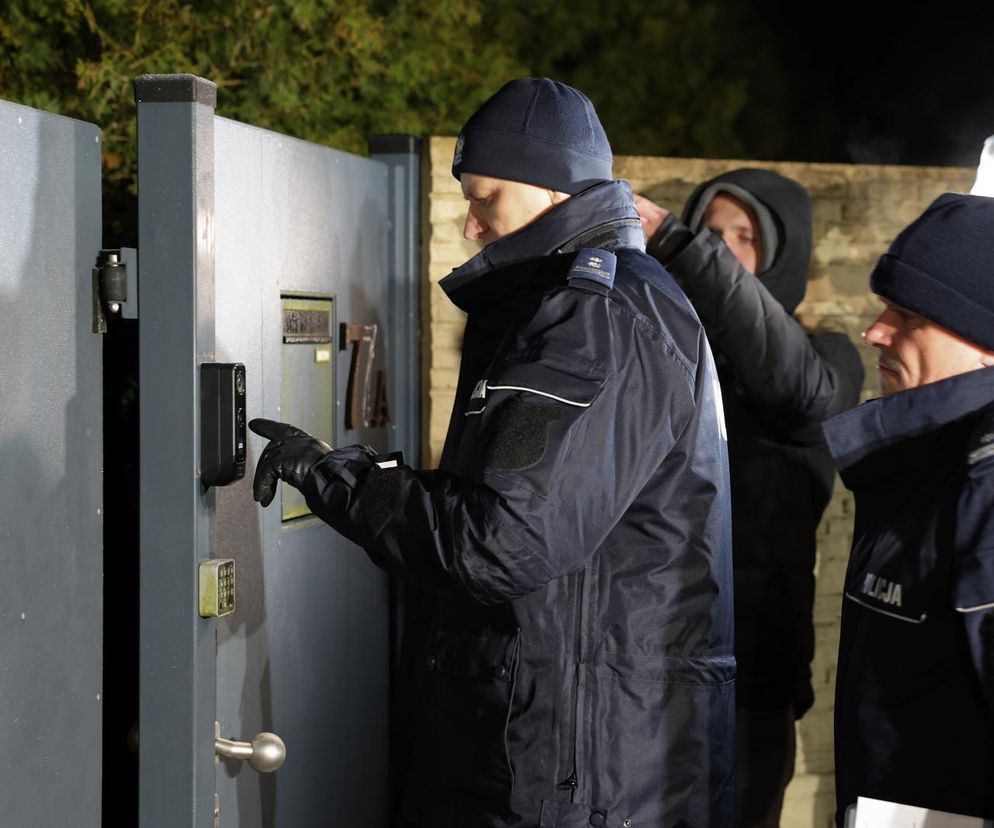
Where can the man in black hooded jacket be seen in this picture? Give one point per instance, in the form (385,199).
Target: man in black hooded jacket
(578,668)
(741,255)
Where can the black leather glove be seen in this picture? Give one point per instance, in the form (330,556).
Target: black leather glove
(288,457)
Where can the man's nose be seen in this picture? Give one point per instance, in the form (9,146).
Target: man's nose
(878,334)
(473,229)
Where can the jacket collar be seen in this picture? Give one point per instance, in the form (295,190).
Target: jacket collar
(886,422)
(602,216)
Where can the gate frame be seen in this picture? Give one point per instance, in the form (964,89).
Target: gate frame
(177,685)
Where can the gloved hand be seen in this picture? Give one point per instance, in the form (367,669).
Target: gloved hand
(288,457)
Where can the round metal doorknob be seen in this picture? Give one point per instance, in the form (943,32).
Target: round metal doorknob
(265,753)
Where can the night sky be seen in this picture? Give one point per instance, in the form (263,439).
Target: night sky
(898,86)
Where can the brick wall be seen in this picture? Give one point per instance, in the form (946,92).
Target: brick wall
(857,212)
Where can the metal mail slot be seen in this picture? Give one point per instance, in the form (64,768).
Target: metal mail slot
(308,384)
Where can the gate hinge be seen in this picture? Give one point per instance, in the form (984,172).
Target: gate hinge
(115,287)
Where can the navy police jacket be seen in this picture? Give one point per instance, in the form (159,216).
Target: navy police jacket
(578,666)
(914,711)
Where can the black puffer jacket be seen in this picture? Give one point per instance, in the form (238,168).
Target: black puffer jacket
(578,668)
(778,384)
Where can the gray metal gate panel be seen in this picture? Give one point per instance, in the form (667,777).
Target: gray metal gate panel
(51,446)
(232,218)
(305,654)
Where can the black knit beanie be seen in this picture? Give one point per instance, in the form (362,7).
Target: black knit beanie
(941,266)
(537,131)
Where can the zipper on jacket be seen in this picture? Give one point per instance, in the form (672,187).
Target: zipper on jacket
(572,781)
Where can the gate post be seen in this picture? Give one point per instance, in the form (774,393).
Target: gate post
(177,687)
(402,156)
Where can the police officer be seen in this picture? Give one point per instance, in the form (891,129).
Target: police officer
(579,667)
(914,709)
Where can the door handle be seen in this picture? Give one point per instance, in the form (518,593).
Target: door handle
(265,753)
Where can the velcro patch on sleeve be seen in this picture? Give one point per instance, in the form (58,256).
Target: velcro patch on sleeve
(520,434)
(382,498)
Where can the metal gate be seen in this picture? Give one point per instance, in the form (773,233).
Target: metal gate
(299,264)
(293,260)
(51,453)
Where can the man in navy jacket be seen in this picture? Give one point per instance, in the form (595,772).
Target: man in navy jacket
(578,667)
(914,716)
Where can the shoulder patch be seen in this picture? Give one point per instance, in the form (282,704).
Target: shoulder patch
(593,265)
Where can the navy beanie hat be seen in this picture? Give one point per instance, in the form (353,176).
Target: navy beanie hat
(941,266)
(536,131)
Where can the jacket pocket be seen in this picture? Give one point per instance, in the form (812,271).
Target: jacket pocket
(894,578)
(573,384)
(470,679)
(665,729)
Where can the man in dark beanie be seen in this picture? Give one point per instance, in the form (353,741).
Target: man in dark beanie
(914,710)
(741,254)
(578,667)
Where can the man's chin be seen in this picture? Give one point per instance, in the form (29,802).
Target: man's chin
(890,382)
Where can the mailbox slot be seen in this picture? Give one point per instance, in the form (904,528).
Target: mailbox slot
(308,383)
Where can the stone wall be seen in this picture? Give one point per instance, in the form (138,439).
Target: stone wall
(857,212)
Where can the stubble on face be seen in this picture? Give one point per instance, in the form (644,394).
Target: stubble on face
(913,351)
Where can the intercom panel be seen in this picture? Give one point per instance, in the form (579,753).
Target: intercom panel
(222,423)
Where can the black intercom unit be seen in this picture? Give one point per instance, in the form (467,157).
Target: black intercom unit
(222,423)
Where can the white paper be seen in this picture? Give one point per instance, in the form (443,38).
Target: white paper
(876,813)
(984,185)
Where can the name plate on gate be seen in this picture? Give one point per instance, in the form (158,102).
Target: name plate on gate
(306,326)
